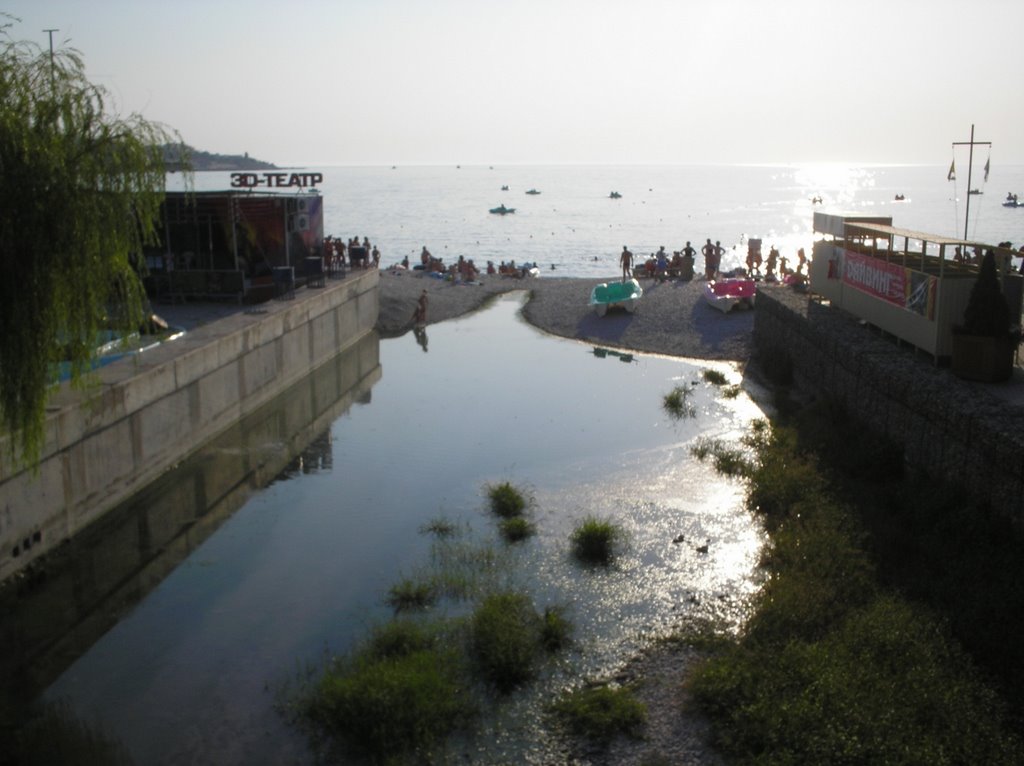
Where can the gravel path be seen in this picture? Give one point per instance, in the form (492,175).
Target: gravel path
(672,317)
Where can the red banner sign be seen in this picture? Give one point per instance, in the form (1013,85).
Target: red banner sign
(906,288)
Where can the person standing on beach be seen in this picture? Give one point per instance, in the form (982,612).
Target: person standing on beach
(661,264)
(708,251)
(626,259)
(686,272)
(716,266)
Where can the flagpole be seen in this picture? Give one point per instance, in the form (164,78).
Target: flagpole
(970,167)
(970,163)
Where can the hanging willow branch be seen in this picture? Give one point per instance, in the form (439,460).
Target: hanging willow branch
(80,193)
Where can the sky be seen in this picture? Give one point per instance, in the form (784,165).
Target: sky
(433,82)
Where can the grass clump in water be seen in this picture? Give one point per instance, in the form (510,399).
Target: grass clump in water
(409,594)
(398,638)
(594,540)
(715,377)
(601,713)
(729,461)
(398,695)
(677,403)
(555,629)
(507,637)
(506,501)
(440,527)
(516,529)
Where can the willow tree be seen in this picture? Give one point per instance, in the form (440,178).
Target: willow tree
(80,194)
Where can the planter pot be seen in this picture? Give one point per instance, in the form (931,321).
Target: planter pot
(983,358)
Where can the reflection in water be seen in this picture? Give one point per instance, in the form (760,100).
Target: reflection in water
(79,593)
(187,674)
(316,457)
(421,337)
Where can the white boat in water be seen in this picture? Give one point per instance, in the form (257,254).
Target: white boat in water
(726,294)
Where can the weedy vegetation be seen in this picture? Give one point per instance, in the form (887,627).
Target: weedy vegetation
(516,529)
(408,594)
(715,377)
(677,403)
(601,713)
(836,664)
(506,500)
(398,694)
(594,540)
(508,638)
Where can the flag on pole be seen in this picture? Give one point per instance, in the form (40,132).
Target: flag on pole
(986,167)
(951,176)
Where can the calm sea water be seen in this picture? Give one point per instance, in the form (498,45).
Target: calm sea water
(188,674)
(574,226)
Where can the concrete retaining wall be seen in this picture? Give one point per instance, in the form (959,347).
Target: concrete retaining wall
(972,433)
(90,581)
(143,415)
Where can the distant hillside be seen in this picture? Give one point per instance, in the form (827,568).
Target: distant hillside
(209,161)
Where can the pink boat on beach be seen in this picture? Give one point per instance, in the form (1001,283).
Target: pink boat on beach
(726,294)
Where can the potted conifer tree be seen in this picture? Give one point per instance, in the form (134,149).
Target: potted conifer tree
(985,344)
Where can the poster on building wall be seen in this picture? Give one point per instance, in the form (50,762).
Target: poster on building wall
(890,282)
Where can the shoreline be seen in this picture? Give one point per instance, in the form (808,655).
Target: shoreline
(672,318)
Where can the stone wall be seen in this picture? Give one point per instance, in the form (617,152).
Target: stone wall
(972,433)
(144,414)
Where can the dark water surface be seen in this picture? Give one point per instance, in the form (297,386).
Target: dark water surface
(187,672)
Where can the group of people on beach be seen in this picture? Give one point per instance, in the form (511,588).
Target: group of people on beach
(359,254)
(680,265)
(660,266)
(776,267)
(464,270)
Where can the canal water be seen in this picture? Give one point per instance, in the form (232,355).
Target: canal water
(290,557)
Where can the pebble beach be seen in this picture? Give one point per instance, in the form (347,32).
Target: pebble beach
(672,317)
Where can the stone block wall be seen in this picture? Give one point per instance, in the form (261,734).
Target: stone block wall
(972,433)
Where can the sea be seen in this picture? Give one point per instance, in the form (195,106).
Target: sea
(574,227)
